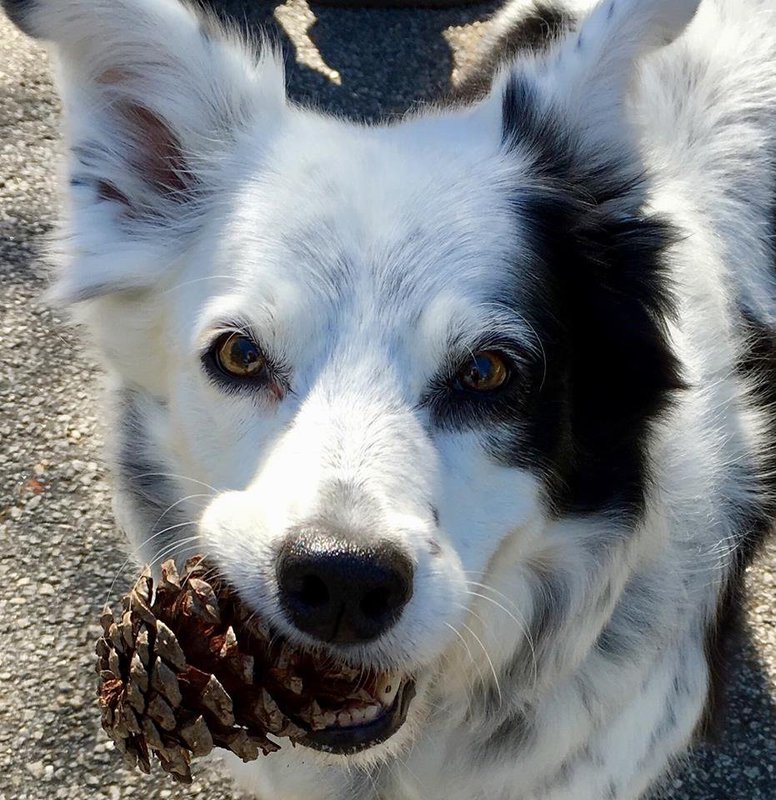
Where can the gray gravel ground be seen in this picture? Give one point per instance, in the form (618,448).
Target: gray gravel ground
(59,550)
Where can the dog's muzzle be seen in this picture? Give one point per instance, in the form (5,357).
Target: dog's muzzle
(339,591)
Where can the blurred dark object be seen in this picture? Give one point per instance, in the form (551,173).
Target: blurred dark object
(374,59)
(426,4)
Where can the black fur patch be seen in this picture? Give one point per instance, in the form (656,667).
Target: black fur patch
(541,25)
(537,30)
(599,298)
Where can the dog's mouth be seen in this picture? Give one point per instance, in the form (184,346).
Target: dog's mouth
(376,708)
(339,707)
(312,696)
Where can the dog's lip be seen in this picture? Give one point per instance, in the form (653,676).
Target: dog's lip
(355,738)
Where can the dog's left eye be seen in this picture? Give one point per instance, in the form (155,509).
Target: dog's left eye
(486,371)
(238,356)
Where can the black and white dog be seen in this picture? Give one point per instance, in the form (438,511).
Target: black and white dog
(481,401)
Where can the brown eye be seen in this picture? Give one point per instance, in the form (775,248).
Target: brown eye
(238,356)
(486,372)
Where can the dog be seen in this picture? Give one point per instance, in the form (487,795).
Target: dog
(481,401)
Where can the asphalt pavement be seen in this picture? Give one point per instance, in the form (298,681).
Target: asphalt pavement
(59,550)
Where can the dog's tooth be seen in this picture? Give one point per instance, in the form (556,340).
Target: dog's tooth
(387,688)
(329,719)
(357,716)
(344,720)
(371,713)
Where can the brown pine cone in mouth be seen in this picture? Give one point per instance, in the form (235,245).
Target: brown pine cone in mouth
(186,667)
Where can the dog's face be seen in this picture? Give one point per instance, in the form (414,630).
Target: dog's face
(368,370)
(346,359)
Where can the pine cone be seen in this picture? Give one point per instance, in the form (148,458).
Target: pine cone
(189,669)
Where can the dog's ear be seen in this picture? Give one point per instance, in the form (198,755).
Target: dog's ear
(156,99)
(589,72)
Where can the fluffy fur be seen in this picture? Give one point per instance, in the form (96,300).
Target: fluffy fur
(603,214)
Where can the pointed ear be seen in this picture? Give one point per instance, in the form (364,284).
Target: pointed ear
(589,72)
(156,99)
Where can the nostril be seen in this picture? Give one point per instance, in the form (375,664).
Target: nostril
(314,592)
(388,594)
(376,604)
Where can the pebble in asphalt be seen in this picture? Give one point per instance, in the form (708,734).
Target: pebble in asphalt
(59,551)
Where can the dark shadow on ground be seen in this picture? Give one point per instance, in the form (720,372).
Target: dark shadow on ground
(388,60)
(737,764)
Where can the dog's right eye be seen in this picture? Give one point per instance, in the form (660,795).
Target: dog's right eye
(238,356)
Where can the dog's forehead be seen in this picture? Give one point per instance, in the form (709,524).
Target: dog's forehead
(378,222)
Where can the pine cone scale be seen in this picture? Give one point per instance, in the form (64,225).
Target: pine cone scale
(164,681)
(138,674)
(143,647)
(116,639)
(141,609)
(197,736)
(159,710)
(167,648)
(135,698)
(151,734)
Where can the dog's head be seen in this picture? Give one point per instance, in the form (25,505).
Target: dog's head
(371,371)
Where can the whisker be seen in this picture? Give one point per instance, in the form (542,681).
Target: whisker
(524,630)
(175,505)
(174,475)
(490,661)
(134,553)
(191,543)
(488,587)
(470,688)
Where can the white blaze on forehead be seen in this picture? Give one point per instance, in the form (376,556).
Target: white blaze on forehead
(378,212)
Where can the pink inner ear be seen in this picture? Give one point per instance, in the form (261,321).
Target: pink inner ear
(158,155)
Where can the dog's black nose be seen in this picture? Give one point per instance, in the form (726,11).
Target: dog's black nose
(339,591)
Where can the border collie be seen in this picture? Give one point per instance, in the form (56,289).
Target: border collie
(481,401)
